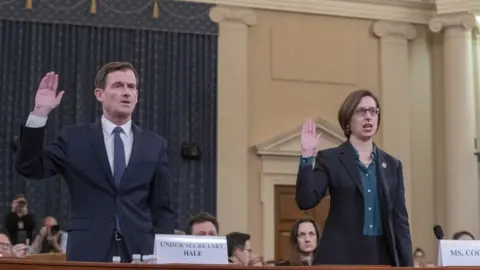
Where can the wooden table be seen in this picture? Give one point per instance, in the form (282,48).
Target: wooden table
(28,264)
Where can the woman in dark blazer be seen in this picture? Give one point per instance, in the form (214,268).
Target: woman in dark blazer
(368,222)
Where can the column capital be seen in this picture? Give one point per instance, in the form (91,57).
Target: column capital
(476,31)
(385,28)
(223,13)
(465,20)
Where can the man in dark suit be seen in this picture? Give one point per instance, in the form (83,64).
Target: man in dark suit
(117,174)
(368,221)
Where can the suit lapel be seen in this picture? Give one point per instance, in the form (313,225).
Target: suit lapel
(382,180)
(348,158)
(384,199)
(98,143)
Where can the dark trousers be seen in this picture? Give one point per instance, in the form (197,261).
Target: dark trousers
(118,248)
(375,251)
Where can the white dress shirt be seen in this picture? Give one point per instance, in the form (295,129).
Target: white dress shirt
(63,241)
(34,121)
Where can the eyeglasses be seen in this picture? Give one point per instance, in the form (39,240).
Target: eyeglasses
(363,111)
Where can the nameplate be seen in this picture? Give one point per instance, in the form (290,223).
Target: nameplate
(459,253)
(190,249)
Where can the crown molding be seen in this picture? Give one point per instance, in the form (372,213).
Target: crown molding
(455,6)
(420,4)
(410,11)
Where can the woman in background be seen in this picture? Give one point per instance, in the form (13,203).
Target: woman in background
(304,239)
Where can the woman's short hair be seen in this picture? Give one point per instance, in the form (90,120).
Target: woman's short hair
(348,107)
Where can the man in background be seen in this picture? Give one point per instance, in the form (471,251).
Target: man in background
(463,235)
(203,224)
(239,248)
(19,223)
(7,251)
(50,239)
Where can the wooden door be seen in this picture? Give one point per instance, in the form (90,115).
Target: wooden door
(287,213)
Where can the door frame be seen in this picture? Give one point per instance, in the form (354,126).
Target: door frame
(269,181)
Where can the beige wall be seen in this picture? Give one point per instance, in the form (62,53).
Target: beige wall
(278,68)
(303,66)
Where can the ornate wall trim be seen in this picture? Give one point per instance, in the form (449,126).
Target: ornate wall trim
(411,11)
(454,6)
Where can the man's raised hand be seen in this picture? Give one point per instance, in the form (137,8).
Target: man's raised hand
(47,97)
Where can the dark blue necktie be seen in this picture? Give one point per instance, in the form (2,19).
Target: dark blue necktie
(119,163)
(118,155)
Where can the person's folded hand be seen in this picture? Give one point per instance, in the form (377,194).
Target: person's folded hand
(19,250)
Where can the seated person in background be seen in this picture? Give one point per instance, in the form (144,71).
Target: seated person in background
(203,224)
(463,235)
(418,257)
(256,260)
(19,223)
(7,251)
(50,239)
(239,248)
(304,239)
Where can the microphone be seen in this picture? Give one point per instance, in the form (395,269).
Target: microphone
(438,231)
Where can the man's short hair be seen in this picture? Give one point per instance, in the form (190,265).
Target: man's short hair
(459,234)
(179,232)
(201,218)
(236,240)
(101,78)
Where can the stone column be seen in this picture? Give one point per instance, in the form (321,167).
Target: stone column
(461,174)
(476,75)
(232,120)
(395,97)
(422,145)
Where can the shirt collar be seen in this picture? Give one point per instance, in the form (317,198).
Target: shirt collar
(374,152)
(108,127)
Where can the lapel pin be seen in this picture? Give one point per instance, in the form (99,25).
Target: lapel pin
(384,165)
